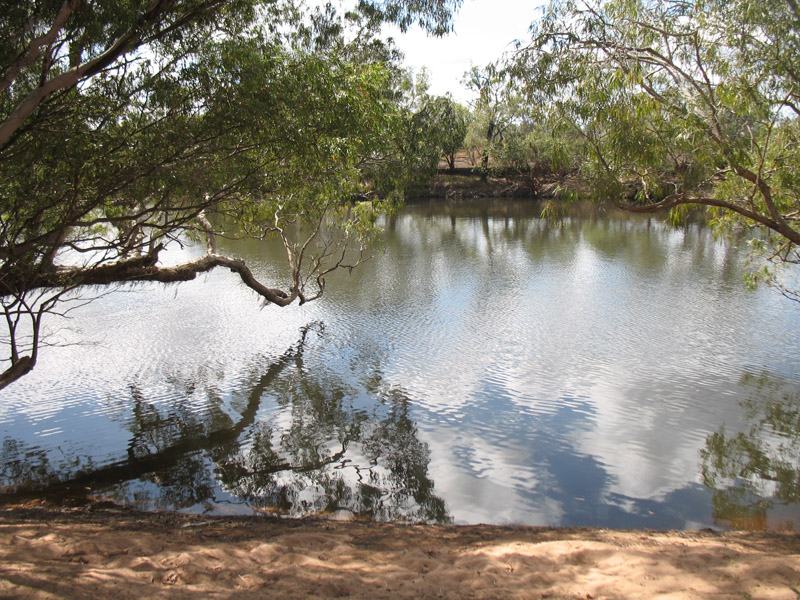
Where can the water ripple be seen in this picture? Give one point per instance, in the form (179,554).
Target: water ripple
(490,368)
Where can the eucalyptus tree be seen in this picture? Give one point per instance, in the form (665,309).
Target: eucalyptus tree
(128,126)
(436,129)
(489,107)
(436,126)
(452,120)
(446,126)
(680,103)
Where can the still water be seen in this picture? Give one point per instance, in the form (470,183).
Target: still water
(484,366)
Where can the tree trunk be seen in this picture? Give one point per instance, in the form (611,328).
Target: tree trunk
(17,370)
(485,160)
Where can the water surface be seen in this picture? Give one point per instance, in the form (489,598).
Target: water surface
(484,366)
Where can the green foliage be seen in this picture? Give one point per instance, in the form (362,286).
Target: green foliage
(507,131)
(449,120)
(492,112)
(678,104)
(432,15)
(127,125)
(437,128)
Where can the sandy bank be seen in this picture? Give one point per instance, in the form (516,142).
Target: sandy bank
(117,554)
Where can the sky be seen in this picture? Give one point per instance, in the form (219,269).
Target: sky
(484,30)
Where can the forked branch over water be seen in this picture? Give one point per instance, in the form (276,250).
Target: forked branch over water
(127,129)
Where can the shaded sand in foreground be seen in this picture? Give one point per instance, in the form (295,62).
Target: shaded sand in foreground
(123,554)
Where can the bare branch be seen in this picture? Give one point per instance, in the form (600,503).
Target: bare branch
(211,239)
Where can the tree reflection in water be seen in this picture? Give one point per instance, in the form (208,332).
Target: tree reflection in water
(318,455)
(750,472)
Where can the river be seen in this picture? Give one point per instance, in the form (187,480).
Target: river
(485,366)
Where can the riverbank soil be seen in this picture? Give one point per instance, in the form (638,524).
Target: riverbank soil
(465,185)
(46,553)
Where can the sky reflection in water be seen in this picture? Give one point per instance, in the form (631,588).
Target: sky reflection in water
(486,366)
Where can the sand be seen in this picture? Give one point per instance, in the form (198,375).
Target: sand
(116,554)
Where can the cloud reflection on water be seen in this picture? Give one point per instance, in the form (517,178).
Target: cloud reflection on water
(526,372)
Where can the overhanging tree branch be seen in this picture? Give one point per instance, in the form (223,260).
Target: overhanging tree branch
(34,50)
(108,152)
(124,43)
(694,102)
(144,269)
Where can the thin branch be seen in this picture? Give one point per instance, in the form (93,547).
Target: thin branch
(673,201)
(211,240)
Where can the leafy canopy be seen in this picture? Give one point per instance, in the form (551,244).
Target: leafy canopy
(126,126)
(679,104)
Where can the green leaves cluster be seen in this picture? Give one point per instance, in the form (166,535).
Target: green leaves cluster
(678,103)
(437,127)
(127,125)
